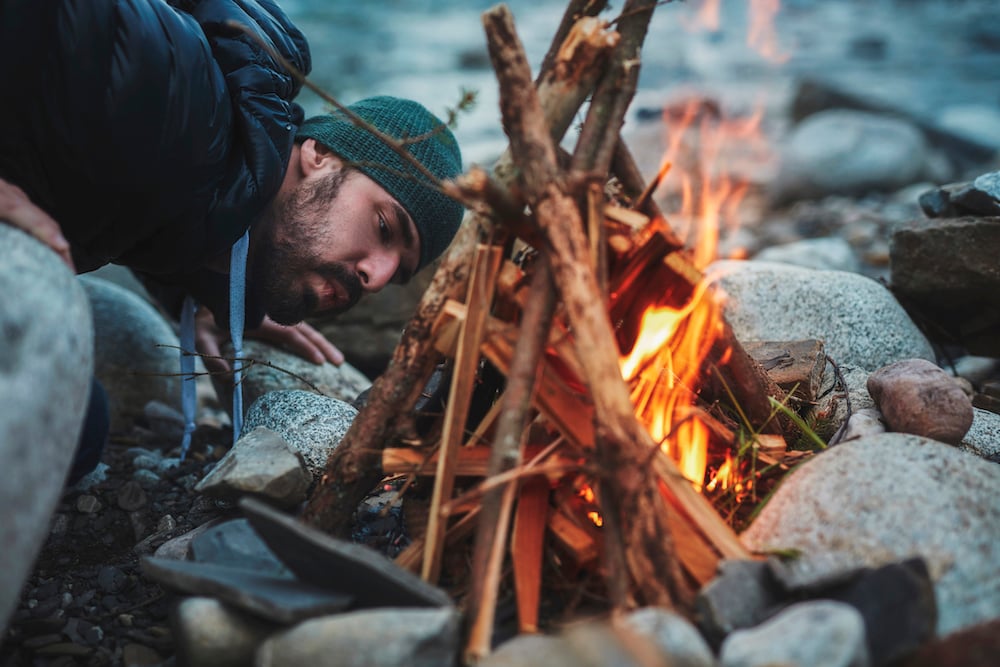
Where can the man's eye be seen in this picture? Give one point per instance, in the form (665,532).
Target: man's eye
(384,230)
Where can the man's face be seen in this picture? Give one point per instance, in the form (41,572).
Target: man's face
(333,237)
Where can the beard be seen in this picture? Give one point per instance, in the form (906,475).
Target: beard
(292,228)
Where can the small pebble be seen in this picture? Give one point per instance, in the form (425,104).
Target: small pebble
(166,523)
(87,504)
(131,496)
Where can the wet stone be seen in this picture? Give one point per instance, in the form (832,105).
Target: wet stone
(897,604)
(279,599)
(111,579)
(235,544)
(87,504)
(319,559)
(131,496)
(741,596)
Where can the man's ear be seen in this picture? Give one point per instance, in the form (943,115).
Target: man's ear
(314,157)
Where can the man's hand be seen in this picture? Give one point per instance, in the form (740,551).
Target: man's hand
(17,210)
(301,339)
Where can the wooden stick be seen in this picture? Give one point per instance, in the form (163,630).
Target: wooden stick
(526,546)
(478,302)
(487,555)
(471,461)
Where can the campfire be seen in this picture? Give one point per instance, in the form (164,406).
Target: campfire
(626,403)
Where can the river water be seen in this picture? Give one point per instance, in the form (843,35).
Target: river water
(923,56)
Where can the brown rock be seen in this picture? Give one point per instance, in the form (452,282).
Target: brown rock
(915,396)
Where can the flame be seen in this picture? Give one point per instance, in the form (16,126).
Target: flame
(587,493)
(728,477)
(664,365)
(705,143)
(761,32)
(762,36)
(662,370)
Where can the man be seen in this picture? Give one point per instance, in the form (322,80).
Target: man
(158,135)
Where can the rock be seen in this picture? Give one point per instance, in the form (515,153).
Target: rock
(858,319)
(742,595)
(978,198)
(596,644)
(942,259)
(372,638)
(849,152)
(947,269)
(889,497)
(131,496)
(137,655)
(983,438)
(235,544)
(809,634)
(841,386)
(210,634)
(342,382)
(179,548)
(795,366)
(977,369)
(46,367)
(532,651)
(314,425)
(978,122)
(977,646)
(320,559)
(862,423)
(826,254)
(897,604)
(915,396)
(136,352)
(275,598)
(260,463)
(678,640)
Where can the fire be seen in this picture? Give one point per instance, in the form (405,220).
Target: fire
(727,478)
(587,494)
(706,145)
(762,37)
(664,365)
(662,370)
(761,33)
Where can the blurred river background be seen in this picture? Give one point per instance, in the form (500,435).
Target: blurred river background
(936,59)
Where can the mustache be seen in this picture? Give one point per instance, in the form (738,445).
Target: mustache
(347,278)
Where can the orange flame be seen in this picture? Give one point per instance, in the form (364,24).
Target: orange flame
(664,364)
(702,140)
(762,36)
(761,32)
(587,493)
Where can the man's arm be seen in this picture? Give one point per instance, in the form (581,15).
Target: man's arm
(17,209)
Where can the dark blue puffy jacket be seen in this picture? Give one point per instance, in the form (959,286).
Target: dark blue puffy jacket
(152,131)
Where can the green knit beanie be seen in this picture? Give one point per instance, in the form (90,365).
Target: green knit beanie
(436,215)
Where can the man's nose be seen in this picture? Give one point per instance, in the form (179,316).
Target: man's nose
(377,269)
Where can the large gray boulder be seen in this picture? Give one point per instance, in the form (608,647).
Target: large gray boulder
(137,352)
(46,366)
(858,319)
(842,151)
(888,497)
